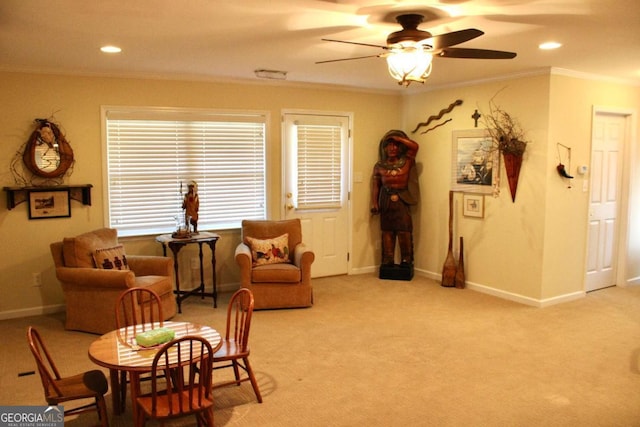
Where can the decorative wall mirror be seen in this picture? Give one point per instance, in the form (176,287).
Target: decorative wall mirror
(47,153)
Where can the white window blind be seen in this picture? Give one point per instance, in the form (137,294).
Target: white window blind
(319,165)
(153,155)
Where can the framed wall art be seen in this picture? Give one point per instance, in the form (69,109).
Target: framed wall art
(49,204)
(475,162)
(473,205)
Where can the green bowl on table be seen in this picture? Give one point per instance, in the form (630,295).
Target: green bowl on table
(155,337)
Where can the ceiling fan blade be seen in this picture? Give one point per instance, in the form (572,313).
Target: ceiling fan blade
(453,38)
(348,59)
(456,52)
(360,44)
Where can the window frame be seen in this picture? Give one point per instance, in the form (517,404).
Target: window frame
(184,114)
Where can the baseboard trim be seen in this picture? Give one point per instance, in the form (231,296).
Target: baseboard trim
(222,288)
(510,296)
(633,281)
(60,308)
(533,302)
(33,311)
(363,270)
(562,298)
(428,274)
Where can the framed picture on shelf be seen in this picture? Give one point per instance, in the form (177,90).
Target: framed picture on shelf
(473,205)
(475,164)
(49,204)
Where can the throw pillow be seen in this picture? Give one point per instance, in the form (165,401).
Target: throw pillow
(269,251)
(111,258)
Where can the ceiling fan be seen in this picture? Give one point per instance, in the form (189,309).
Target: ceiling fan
(409,52)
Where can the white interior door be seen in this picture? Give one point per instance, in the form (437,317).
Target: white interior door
(606,182)
(315,185)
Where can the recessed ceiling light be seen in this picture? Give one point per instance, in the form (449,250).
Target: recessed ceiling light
(111,49)
(549,45)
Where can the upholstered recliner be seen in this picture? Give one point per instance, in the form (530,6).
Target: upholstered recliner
(276,269)
(87,267)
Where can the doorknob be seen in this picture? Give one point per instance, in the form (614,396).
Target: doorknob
(289,195)
(289,206)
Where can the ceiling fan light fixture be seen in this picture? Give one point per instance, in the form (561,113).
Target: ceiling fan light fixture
(409,52)
(409,63)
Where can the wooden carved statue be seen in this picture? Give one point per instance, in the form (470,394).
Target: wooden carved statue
(394,190)
(191,205)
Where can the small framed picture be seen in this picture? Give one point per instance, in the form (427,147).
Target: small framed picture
(473,205)
(49,204)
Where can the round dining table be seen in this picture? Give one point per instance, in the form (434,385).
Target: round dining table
(118,351)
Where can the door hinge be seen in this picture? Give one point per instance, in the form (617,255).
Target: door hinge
(348,254)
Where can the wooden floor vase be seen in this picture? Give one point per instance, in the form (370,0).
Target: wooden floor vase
(460,279)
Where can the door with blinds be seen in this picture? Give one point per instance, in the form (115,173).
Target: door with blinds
(316,158)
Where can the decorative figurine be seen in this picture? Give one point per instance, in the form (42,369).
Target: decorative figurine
(394,190)
(191,204)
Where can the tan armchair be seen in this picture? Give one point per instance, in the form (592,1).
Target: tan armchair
(91,293)
(281,285)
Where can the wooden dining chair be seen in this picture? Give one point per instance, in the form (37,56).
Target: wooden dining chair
(234,350)
(140,308)
(58,390)
(187,390)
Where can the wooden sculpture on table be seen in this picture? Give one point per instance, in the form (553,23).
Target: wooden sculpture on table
(191,205)
(394,190)
(187,225)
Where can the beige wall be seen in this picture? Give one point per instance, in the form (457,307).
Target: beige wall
(572,102)
(75,103)
(532,250)
(502,251)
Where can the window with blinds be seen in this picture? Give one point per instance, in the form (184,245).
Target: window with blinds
(153,154)
(319,165)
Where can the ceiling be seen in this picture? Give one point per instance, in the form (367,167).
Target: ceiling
(213,39)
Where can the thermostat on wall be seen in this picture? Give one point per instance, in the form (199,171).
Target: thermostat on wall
(582,169)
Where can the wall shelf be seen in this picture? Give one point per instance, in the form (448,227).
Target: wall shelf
(17,195)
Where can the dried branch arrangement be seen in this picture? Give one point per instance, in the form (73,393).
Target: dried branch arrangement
(505,130)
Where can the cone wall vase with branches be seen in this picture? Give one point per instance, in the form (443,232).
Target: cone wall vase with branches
(512,164)
(508,138)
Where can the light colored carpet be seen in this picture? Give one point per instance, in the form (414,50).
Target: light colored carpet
(376,352)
